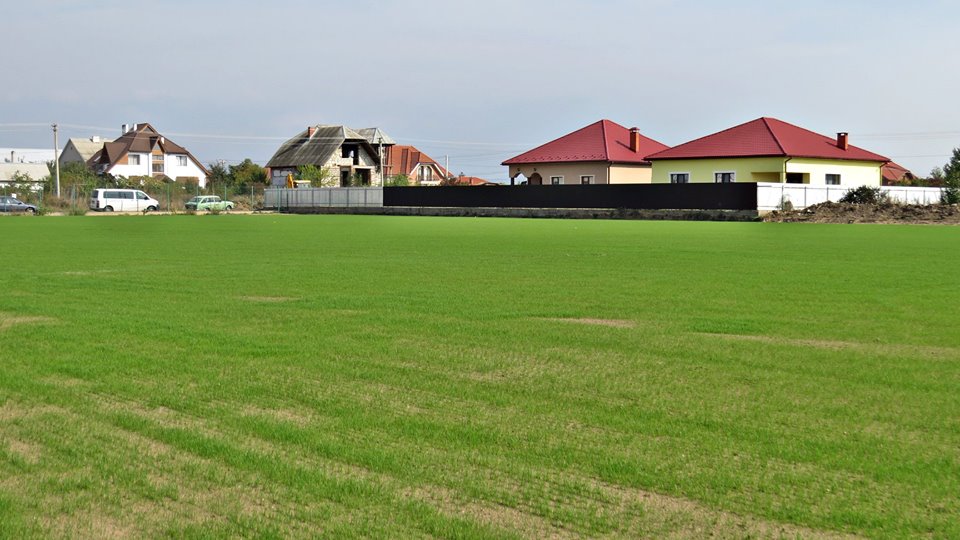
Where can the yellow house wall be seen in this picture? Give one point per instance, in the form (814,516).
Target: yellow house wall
(571,172)
(702,170)
(630,174)
(852,173)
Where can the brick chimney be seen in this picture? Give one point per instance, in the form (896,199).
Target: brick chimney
(311,130)
(635,140)
(843,140)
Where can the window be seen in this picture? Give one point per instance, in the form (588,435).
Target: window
(181,161)
(426,173)
(556,180)
(679,178)
(725,177)
(833,179)
(586,179)
(158,167)
(133,159)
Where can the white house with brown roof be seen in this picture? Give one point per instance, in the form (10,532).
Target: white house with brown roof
(143,151)
(602,153)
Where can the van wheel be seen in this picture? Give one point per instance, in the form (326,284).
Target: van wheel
(151,209)
(108,209)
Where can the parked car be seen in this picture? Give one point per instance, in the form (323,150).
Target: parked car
(208,202)
(122,200)
(10,204)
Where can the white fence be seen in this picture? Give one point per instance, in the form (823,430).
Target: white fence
(280,198)
(770,196)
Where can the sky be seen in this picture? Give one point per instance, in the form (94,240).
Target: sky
(476,83)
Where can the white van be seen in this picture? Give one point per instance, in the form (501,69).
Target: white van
(122,200)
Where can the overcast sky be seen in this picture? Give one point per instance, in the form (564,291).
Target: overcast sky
(480,81)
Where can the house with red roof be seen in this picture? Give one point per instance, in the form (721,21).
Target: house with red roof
(897,175)
(602,153)
(769,150)
(419,168)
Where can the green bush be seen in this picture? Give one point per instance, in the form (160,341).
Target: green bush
(865,195)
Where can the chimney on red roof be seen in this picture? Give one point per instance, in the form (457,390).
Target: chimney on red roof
(311,130)
(843,140)
(635,140)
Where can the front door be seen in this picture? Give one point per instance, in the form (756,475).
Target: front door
(536,179)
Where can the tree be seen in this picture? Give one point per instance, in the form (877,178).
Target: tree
(219,175)
(318,176)
(398,180)
(247,173)
(951,179)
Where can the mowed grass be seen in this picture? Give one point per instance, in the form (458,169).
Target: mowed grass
(341,376)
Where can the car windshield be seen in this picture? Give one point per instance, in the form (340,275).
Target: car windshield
(195,199)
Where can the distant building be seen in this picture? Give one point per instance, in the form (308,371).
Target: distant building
(26,155)
(768,150)
(35,171)
(419,168)
(602,153)
(80,150)
(894,174)
(462,180)
(350,157)
(143,151)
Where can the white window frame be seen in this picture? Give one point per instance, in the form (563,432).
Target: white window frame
(826,179)
(133,159)
(181,161)
(559,180)
(678,173)
(717,180)
(589,179)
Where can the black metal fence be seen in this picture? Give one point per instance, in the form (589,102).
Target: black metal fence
(734,196)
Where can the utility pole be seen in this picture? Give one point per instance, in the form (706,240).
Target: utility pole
(383,172)
(56,159)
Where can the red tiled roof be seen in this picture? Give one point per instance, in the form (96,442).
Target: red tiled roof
(473,181)
(766,137)
(403,159)
(893,172)
(601,141)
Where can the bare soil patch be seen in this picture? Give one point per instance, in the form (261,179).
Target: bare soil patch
(268,299)
(877,348)
(612,323)
(9,320)
(832,212)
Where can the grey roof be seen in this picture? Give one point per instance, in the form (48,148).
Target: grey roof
(376,135)
(316,149)
(37,171)
(86,147)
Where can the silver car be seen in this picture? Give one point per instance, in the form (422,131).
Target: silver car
(10,204)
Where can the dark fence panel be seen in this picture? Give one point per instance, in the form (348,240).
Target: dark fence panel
(735,196)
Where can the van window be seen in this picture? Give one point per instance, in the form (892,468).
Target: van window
(142,196)
(126,195)
(111,194)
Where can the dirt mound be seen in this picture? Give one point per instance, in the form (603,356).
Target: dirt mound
(832,212)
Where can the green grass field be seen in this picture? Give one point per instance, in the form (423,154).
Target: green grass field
(339,376)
